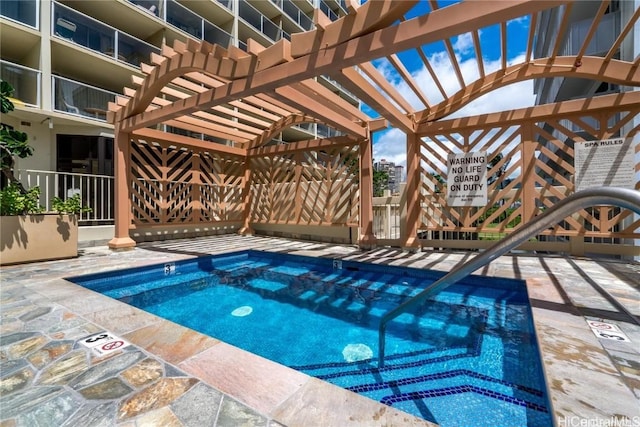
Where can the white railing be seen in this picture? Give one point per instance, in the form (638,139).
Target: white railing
(96,192)
(386,217)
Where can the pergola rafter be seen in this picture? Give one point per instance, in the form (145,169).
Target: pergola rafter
(238,101)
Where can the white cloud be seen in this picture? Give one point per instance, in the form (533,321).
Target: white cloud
(463,43)
(391,144)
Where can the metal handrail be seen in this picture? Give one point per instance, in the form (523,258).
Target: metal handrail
(622,197)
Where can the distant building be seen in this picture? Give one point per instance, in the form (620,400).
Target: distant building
(394,172)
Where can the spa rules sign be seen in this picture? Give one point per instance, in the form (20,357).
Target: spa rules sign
(467,179)
(604,163)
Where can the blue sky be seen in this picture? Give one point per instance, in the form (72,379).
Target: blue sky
(390,144)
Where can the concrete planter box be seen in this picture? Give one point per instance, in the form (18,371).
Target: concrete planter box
(42,237)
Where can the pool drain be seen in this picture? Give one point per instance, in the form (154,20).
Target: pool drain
(245,310)
(357,352)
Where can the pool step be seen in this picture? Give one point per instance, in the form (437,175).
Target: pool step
(397,384)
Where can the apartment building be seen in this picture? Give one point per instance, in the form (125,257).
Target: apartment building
(394,174)
(616,15)
(68,59)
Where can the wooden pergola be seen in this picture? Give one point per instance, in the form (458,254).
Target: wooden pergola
(237,101)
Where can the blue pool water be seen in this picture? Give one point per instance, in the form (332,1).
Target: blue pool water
(467,357)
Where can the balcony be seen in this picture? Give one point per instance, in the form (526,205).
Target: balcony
(23,11)
(601,41)
(80,29)
(324,7)
(79,99)
(152,7)
(294,12)
(257,20)
(193,24)
(26,83)
(325,131)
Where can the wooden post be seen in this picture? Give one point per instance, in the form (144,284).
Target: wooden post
(412,191)
(367,239)
(122,198)
(528,172)
(246,199)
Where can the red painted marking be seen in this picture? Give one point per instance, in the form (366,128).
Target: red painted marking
(112,345)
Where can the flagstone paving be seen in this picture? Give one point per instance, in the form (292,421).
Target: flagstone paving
(172,376)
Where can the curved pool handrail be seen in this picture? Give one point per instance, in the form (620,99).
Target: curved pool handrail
(614,196)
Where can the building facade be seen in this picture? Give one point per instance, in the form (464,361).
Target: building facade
(394,174)
(67,60)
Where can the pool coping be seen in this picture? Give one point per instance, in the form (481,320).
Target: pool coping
(294,398)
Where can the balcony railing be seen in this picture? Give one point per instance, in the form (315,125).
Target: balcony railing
(152,7)
(325,131)
(26,83)
(25,12)
(340,87)
(257,20)
(192,23)
(294,12)
(96,192)
(81,29)
(324,7)
(76,98)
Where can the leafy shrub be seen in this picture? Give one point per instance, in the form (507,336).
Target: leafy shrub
(73,205)
(14,202)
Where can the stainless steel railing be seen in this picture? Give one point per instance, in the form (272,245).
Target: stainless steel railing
(614,196)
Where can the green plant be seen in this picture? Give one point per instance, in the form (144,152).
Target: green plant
(72,205)
(380,180)
(13,143)
(14,202)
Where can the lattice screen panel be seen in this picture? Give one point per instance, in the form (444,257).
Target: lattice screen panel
(172,185)
(518,154)
(555,171)
(503,211)
(315,187)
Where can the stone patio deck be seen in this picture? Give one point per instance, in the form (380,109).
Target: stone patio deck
(173,376)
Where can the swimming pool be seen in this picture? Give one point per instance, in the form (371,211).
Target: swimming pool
(467,357)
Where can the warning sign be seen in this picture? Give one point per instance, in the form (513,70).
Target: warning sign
(467,179)
(608,331)
(595,324)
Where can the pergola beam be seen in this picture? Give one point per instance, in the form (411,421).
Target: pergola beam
(322,111)
(151,135)
(536,114)
(359,86)
(312,144)
(595,68)
(439,24)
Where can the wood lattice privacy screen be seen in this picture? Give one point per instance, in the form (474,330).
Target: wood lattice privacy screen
(318,187)
(530,167)
(175,185)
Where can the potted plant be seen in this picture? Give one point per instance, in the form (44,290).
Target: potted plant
(26,232)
